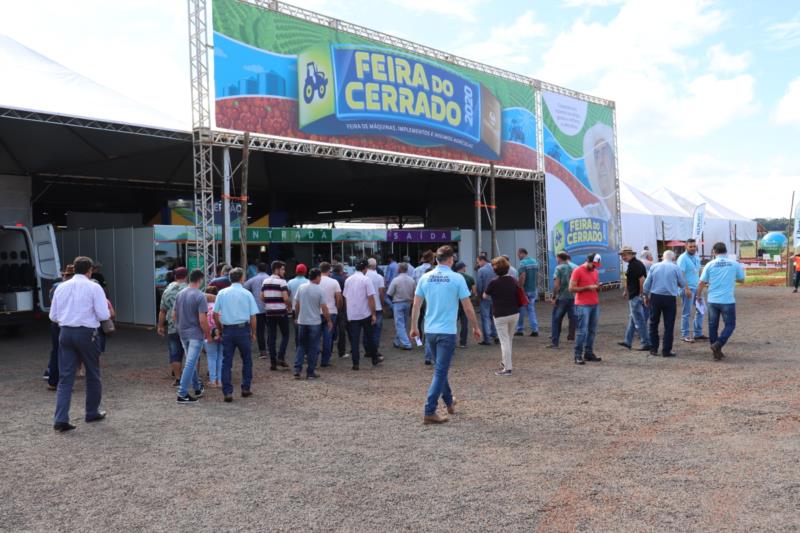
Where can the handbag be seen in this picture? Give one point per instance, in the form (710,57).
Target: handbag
(108,326)
(522,298)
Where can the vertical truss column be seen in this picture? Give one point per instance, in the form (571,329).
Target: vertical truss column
(618,229)
(540,198)
(205,247)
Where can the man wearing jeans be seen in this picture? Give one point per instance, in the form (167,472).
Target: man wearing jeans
(311,315)
(721,275)
(191,320)
(165,318)
(235,313)
(584,283)
(401,292)
(634,283)
(359,298)
(484,275)
(78,306)
(661,289)
(689,263)
(442,290)
(333,301)
(563,301)
(528,276)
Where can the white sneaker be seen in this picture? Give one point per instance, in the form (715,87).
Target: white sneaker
(688,339)
(503,373)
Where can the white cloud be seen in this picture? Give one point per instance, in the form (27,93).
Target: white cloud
(720,60)
(788,110)
(592,3)
(784,35)
(465,10)
(643,58)
(507,46)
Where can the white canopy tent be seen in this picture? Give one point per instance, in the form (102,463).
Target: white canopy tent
(33,82)
(646,220)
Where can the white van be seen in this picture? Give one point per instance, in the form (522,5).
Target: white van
(29,266)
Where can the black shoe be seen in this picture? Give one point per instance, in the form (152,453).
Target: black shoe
(552,346)
(326,365)
(579,361)
(625,344)
(63,426)
(198,393)
(716,348)
(355,367)
(228,399)
(246,393)
(428,363)
(701,338)
(186,400)
(485,343)
(273,367)
(593,358)
(644,349)
(668,354)
(177,383)
(496,340)
(96,418)
(653,352)
(282,363)
(534,333)
(518,334)
(313,376)
(297,375)
(377,360)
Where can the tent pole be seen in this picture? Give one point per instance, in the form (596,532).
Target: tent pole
(226,204)
(789,242)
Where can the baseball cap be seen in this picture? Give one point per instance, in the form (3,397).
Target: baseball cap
(301,269)
(597,259)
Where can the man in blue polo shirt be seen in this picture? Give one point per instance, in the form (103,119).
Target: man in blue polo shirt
(442,290)
(235,312)
(721,275)
(689,263)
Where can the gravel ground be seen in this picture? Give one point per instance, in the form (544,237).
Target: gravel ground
(634,443)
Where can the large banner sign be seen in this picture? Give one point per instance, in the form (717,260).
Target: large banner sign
(581,188)
(279,75)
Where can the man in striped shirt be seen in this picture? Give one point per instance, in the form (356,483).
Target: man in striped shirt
(275,295)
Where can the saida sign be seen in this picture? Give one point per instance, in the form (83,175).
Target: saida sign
(356,90)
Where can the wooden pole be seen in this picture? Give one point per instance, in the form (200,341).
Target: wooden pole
(244,200)
(493,210)
(478,217)
(789,243)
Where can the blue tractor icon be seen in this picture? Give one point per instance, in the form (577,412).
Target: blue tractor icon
(315,82)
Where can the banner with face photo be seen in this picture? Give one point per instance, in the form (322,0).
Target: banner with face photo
(581,181)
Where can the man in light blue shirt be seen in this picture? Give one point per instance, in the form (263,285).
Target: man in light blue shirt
(689,263)
(483,276)
(235,312)
(442,290)
(661,288)
(528,278)
(293,285)
(721,276)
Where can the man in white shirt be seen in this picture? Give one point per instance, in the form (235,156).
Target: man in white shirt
(380,293)
(359,296)
(333,301)
(79,306)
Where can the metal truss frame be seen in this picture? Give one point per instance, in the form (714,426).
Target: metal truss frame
(202,156)
(265,143)
(63,120)
(540,201)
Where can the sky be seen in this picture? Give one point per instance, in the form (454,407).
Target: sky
(707,92)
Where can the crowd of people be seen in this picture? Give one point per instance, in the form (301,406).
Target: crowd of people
(323,308)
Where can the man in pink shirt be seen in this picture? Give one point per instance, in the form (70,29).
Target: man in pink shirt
(584,283)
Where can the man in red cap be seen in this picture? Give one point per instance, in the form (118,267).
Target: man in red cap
(294,285)
(585,282)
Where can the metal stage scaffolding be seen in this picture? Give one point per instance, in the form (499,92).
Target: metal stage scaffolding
(205,138)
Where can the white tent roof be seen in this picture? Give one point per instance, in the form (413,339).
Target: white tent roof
(642,201)
(34,82)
